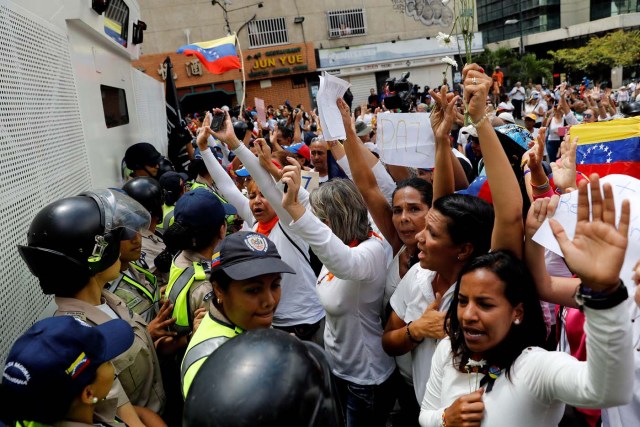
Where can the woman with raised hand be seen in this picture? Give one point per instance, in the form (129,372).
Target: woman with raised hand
(490,370)
(299,310)
(350,287)
(458,228)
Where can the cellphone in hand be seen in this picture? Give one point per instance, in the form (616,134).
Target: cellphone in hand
(216,122)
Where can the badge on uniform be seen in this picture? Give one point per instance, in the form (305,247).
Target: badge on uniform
(256,243)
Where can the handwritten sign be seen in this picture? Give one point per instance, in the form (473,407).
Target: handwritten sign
(310,180)
(624,187)
(406,139)
(262,116)
(331,88)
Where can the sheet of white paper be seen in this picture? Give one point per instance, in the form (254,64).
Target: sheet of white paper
(310,180)
(406,139)
(331,88)
(624,187)
(262,116)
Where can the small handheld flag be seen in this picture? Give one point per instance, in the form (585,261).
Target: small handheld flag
(217,56)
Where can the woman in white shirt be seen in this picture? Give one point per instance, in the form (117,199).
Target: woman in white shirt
(299,310)
(350,287)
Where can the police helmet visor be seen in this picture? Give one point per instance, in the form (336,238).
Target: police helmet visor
(122,211)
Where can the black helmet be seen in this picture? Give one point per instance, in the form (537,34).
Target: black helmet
(165,166)
(148,192)
(276,379)
(240,128)
(72,239)
(140,155)
(631,109)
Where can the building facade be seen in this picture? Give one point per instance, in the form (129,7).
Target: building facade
(285,44)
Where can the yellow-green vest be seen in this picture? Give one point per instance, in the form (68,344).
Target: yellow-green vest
(137,296)
(211,334)
(167,218)
(177,291)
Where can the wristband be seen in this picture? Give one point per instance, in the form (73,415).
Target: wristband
(412,339)
(585,297)
(541,187)
(526,172)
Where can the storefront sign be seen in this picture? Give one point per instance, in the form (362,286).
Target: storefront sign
(276,62)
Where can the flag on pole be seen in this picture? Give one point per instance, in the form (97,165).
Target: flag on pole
(217,56)
(177,133)
(607,148)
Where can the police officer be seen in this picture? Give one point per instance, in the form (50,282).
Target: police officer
(142,159)
(282,382)
(246,275)
(148,192)
(198,228)
(59,370)
(73,247)
(173,185)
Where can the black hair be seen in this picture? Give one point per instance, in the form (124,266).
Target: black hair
(197,167)
(222,279)
(519,288)
(470,220)
(179,237)
(423,187)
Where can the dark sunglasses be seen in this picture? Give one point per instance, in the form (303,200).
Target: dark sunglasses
(587,116)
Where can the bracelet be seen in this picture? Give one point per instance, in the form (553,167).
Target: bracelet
(485,117)
(526,172)
(541,187)
(412,339)
(444,419)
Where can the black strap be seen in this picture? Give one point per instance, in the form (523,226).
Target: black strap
(294,243)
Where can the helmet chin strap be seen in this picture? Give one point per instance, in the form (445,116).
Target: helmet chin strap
(147,171)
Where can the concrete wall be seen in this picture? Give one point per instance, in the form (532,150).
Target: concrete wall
(574,12)
(386,20)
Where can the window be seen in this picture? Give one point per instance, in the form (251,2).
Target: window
(116,21)
(114,104)
(346,23)
(268,32)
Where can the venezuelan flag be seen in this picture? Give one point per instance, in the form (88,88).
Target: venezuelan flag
(607,148)
(217,56)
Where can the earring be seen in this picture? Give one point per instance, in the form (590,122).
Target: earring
(219,301)
(517,321)
(94,400)
(458,257)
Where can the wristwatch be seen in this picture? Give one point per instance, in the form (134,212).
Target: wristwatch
(585,297)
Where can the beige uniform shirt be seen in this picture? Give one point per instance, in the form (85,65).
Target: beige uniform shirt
(138,368)
(201,290)
(151,247)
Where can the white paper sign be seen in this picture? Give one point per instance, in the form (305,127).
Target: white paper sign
(624,187)
(310,180)
(262,116)
(406,139)
(331,88)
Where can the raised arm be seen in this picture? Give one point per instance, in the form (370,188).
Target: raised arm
(442,117)
(508,230)
(360,162)
(222,179)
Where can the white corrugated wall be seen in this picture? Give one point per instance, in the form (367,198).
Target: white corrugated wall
(360,87)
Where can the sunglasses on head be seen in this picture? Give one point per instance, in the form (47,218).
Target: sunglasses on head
(588,116)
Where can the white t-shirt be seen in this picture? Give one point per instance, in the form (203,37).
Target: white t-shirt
(410,300)
(540,380)
(351,288)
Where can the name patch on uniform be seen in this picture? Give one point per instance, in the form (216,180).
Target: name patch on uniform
(256,243)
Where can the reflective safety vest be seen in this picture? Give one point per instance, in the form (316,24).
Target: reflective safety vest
(211,334)
(229,218)
(177,291)
(167,218)
(140,298)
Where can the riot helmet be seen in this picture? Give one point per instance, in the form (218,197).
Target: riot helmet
(631,109)
(148,192)
(280,380)
(73,239)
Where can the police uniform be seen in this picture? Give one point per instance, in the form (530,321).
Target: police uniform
(138,288)
(167,219)
(152,245)
(200,183)
(138,368)
(189,288)
(214,331)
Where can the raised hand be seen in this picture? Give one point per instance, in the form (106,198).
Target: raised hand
(431,323)
(466,411)
(476,89)
(538,212)
(564,170)
(226,133)
(442,114)
(597,252)
(347,119)
(203,133)
(291,177)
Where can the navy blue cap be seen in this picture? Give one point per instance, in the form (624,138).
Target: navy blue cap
(59,356)
(173,181)
(201,208)
(248,254)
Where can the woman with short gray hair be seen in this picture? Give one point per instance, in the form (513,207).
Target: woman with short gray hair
(350,287)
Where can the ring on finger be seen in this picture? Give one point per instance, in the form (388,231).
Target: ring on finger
(474,81)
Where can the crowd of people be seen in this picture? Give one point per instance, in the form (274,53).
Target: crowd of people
(219,291)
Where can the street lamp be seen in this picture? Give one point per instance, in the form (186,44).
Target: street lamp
(513,22)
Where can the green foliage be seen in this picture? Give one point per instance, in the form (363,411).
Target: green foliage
(529,67)
(488,59)
(620,48)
